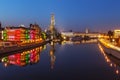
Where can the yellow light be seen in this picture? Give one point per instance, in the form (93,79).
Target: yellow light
(109,45)
(64,37)
(2,59)
(113,40)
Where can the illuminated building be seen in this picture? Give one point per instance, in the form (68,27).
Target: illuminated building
(13,34)
(67,34)
(116,33)
(21,33)
(52,30)
(37,30)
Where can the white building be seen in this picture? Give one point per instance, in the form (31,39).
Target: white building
(116,33)
(68,34)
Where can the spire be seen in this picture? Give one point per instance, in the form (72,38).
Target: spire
(52,24)
(52,27)
(52,20)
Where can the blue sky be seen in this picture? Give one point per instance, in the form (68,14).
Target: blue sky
(97,15)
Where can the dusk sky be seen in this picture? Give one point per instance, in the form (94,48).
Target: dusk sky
(76,15)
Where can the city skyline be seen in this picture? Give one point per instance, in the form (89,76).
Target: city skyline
(77,15)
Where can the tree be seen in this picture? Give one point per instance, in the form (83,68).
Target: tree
(110,34)
(44,35)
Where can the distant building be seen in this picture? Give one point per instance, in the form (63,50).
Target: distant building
(68,34)
(80,34)
(116,33)
(92,34)
(86,31)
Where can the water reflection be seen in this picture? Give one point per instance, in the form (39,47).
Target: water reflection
(67,62)
(22,59)
(52,54)
(112,62)
(29,57)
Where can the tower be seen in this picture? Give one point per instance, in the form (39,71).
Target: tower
(52,27)
(52,24)
(52,20)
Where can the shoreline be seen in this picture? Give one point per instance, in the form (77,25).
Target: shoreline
(110,48)
(15,49)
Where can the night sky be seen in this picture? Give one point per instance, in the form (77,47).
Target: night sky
(76,15)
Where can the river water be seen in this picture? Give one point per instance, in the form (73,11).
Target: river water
(61,61)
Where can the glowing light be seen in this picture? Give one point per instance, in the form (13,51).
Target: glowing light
(107,59)
(5,64)
(64,37)
(109,45)
(111,65)
(117,71)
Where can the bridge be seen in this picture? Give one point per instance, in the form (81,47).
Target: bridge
(80,34)
(91,35)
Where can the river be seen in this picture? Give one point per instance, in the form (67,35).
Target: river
(61,61)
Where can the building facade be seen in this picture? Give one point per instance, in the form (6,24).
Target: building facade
(21,33)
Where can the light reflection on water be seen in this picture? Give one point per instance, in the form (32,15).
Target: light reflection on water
(22,59)
(29,57)
(67,60)
(109,61)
